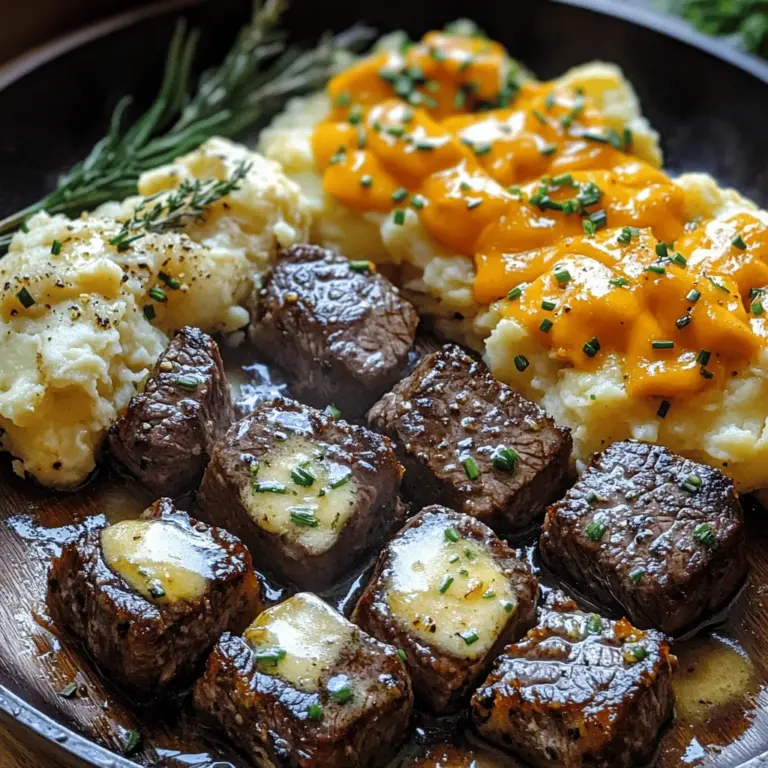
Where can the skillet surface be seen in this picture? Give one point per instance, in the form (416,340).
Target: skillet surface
(712,115)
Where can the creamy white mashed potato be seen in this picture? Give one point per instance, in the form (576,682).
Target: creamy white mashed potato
(73,358)
(723,427)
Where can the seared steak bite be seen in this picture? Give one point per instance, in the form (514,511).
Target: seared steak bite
(149,597)
(578,690)
(342,331)
(450,594)
(650,533)
(471,443)
(309,495)
(166,435)
(304,687)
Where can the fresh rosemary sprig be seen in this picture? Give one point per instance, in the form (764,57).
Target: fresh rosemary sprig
(253,82)
(188,201)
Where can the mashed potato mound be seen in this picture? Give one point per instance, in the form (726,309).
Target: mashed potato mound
(73,359)
(726,428)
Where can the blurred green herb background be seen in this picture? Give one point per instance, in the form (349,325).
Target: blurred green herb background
(746,21)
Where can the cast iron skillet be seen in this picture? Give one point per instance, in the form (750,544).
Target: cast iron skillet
(708,101)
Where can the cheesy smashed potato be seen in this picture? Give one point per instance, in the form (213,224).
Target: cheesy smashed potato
(82,322)
(532,221)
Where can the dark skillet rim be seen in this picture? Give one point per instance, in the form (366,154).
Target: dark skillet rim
(13,706)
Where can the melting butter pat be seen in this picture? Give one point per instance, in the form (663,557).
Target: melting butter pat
(451,594)
(306,636)
(297,492)
(161,559)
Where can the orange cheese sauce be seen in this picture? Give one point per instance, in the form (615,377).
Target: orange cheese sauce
(578,240)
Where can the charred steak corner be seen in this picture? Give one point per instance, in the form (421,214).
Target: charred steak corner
(166,435)
(472,443)
(341,331)
(650,533)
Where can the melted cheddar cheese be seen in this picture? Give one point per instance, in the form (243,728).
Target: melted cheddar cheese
(571,233)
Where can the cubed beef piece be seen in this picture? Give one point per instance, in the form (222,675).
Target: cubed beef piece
(149,597)
(309,495)
(340,330)
(578,690)
(651,534)
(471,443)
(166,435)
(304,687)
(450,594)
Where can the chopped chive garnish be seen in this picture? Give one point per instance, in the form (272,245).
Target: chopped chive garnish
(681,322)
(459,99)
(399,217)
(270,656)
(636,653)
(505,458)
(149,312)
(366,180)
(489,594)
(515,293)
(562,276)
(341,480)
(591,347)
(344,99)
(595,530)
(594,624)
(592,498)
(680,260)
(548,305)
(562,180)
(693,295)
(171,282)
(549,101)
(470,467)
(637,574)
(56,247)
(757,307)
(190,383)
(662,344)
(424,146)
(315,712)
(418,202)
(131,743)
(400,194)
(451,534)
(657,269)
(691,484)
(718,283)
(508,606)
(661,250)
(304,516)
(663,410)
(705,534)
(446,585)
(340,690)
(706,374)
(355,115)
(400,653)
(481,149)
(738,241)
(360,265)
(158,294)
(303,476)
(626,235)
(619,282)
(68,691)
(546,325)
(25,297)
(395,130)
(269,486)
(332,412)
(548,150)
(469,636)
(540,117)
(521,362)
(362,139)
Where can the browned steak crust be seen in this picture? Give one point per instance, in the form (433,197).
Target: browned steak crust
(141,644)
(672,548)
(368,456)
(444,680)
(343,334)
(450,410)
(166,435)
(577,691)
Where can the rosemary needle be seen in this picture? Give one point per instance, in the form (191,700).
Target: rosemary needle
(253,82)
